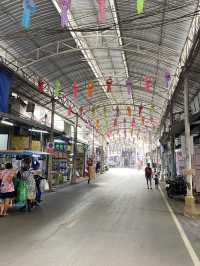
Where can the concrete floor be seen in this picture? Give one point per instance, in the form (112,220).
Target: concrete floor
(115,221)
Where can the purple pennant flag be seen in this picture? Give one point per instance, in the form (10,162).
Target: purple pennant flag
(129,85)
(167,79)
(64,6)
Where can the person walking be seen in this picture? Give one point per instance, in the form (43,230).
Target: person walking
(148,176)
(27,176)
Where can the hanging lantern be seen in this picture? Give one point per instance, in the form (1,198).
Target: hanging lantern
(109,84)
(140,6)
(102,11)
(167,79)
(40,86)
(57,90)
(97,124)
(129,111)
(117,111)
(29,8)
(115,122)
(141,108)
(69,110)
(147,83)
(64,7)
(129,85)
(90,89)
(75,89)
(81,110)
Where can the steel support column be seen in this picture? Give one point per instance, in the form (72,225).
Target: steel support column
(51,140)
(74,163)
(172,144)
(190,207)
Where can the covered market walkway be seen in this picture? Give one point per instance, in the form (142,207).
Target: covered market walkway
(113,221)
(87,85)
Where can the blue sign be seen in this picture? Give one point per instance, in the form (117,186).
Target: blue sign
(5,84)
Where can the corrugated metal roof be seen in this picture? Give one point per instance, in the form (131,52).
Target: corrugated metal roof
(127,46)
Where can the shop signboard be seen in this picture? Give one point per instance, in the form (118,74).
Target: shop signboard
(60,147)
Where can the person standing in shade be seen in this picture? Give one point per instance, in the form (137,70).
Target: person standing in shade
(148,176)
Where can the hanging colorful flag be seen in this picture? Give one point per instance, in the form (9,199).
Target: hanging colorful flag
(129,111)
(97,124)
(141,108)
(75,89)
(167,79)
(115,122)
(152,120)
(109,84)
(125,133)
(93,110)
(90,89)
(117,111)
(105,113)
(147,83)
(133,125)
(40,86)
(81,110)
(64,7)
(57,90)
(142,121)
(29,8)
(152,108)
(129,85)
(102,11)
(140,6)
(69,110)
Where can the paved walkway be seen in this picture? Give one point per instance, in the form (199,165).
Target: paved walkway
(115,221)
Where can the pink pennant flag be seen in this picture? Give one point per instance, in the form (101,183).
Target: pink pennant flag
(64,6)
(102,11)
(133,123)
(75,89)
(115,122)
(129,85)
(69,110)
(147,83)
